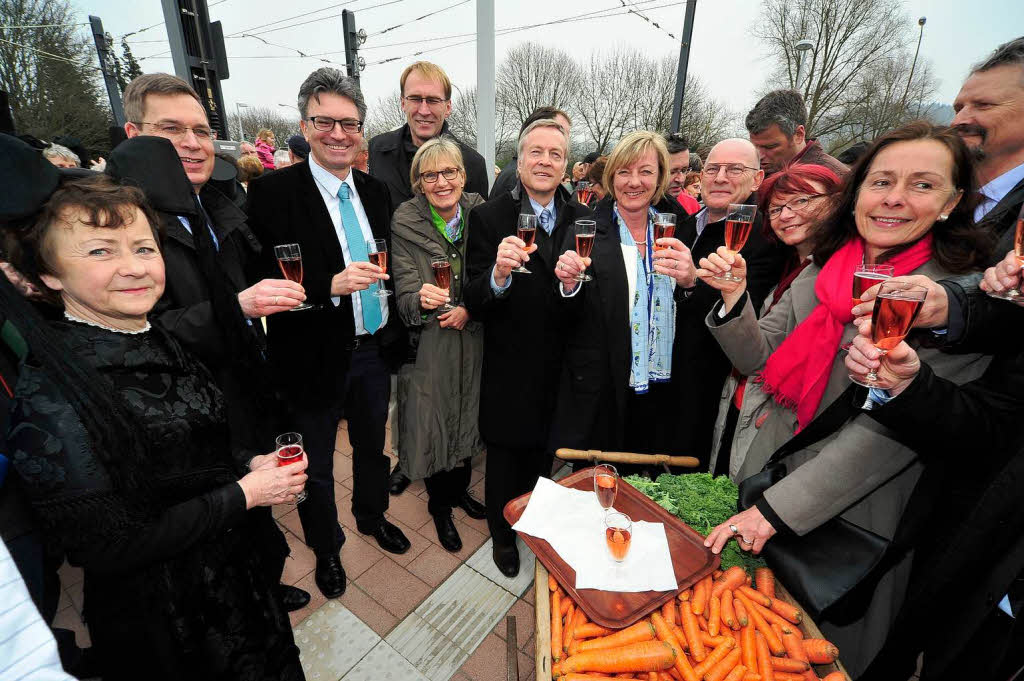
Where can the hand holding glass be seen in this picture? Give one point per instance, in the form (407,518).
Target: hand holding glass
(1018,249)
(896,308)
(442,278)
(586,230)
(289,451)
(739,221)
(377,250)
(527,232)
(289,259)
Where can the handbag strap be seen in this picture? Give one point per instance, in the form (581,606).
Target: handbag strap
(823,425)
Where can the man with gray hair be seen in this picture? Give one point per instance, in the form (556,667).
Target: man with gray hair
(61,156)
(778,128)
(337,356)
(522,319)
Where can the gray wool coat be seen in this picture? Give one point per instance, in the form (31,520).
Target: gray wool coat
(438,393)
(861,472)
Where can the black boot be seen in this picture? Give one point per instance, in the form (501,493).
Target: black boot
(398,481)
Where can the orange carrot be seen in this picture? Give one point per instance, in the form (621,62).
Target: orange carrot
(700,597)
(788,676)
(714,657)
(566,601)
(625,675)
(577,623)
(729,612)
(685,595)
(692,632)
(645,656)
(835,676)
(785,664)
(764,578)
(733,578)
(787,611)
(755,596)
(664,632)
(574,676)
(664,676)
(794,647)
(749,647)
(568,629)
(556,626)
(820,651)
(641,631)
(668,611)
(720,670)
(773,641)
(775,627)
(773,617)
(737,673)
(712,641)
(702,622)
(714,615)
(764,658)
(716,574)
(741,612)
(552,584)
(591,630)
(751,676)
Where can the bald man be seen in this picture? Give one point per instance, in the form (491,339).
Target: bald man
(732,174)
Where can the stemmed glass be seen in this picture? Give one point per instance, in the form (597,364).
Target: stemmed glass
(664,228)
(892,317)
(606,484)
(583,192)
(618,530)
(738,223)
(289,451)
(586,230)
(377,250)
(289,259)
(442,269)
(866,276)
(527,231)
(1018,249)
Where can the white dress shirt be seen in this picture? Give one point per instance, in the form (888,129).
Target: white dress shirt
(996,189)
(329,185)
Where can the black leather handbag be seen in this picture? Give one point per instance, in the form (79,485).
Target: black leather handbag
(825,564)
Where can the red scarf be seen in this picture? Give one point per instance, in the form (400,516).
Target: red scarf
(797,373)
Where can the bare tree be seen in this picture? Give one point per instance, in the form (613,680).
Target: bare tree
(384,115)
(704,121)
(256,118)
(531,76)
(604,105)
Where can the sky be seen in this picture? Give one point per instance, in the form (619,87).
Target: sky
(724,53)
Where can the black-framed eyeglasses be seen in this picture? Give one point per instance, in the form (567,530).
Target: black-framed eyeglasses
(175,131)
(796,205)
(731,169)
(447,173)
(326,123)
(416,100)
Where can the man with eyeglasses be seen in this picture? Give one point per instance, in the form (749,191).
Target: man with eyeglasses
(338,357)
(731,174)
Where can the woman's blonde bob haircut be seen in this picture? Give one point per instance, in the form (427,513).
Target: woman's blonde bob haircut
(629,149)
(432,152)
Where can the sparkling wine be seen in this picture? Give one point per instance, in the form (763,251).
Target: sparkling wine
(891,320)
(862,281)
(442,274)
(618,542)
(736,234)
(380,259)
(527,234)
(584,195)
(606,488)
(663,230)
(291,268)
(584,244)
(1018,241)
(288,455)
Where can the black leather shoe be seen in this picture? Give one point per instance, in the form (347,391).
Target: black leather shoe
(473,508)
(398,481)
(389,537)
(447,534)
(292,597)
(330,576)
(507,559)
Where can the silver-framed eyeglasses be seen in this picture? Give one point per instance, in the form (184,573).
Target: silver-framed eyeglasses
(797,205)
(731,169)
(430,177)
(326,123)
(176,131)
(416,100)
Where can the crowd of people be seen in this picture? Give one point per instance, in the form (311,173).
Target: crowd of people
(153,348)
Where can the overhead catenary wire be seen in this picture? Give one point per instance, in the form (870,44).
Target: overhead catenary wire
(31,26)
(161,22)
(50,55)
(420,18)
(632,10)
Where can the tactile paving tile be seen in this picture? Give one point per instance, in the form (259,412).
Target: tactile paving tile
(384,663)
(332,641)
(483,562)
(433,655)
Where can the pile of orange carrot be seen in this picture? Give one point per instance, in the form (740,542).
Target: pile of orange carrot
(726,628)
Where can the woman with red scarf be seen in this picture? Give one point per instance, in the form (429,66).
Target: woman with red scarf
(905,204)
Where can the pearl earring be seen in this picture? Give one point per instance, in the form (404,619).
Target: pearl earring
(943,217)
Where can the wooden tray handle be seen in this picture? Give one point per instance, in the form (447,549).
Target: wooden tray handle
(626,457)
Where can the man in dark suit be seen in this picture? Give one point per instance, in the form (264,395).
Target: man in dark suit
(509,175)
(521,316)
(426,95)
(337,357)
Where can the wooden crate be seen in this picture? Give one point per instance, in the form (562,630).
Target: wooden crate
(542,639)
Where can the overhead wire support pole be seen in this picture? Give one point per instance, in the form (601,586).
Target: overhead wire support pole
(485,89)
(107,68)
(354,64)
(684,62)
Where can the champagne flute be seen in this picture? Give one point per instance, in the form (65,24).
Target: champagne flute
(664,228)
(738,223)
(586,230)
(618,530)
(289,451)
(527,231)
(583,192)
(289,259)
(1018,249)
(866,276)
(896,308)
(606,484)
(377,250)
(442,278)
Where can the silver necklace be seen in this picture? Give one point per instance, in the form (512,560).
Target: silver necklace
(70,317)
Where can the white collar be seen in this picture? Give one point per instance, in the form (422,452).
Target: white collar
(999,187)
(328,180)
(72,318)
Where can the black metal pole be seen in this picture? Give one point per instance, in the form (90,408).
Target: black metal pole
(684,62)
(109,77)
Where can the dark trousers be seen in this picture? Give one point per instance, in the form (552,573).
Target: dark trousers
(362,396)
(444,488)
(511,472)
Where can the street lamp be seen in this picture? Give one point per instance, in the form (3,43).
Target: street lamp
(241,130)
(921,23)
(802,48)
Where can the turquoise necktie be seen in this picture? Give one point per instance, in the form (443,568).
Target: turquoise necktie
(357,250)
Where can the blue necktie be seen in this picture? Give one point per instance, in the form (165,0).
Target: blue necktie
(545,220)
(357,250)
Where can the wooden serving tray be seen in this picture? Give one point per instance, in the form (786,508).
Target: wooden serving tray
(690,559)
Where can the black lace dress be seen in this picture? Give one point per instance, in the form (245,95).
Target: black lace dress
(174,588)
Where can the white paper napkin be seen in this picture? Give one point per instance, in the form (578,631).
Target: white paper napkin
(572,521)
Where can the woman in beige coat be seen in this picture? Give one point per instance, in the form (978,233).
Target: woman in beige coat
(903,205)
(439,393)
